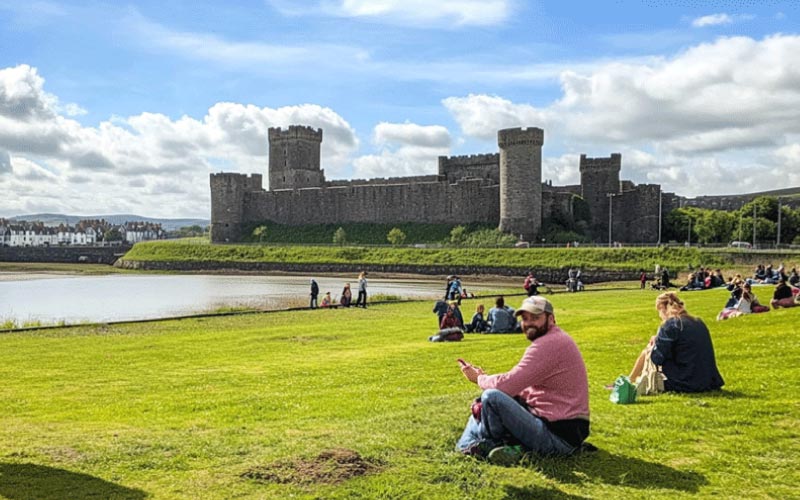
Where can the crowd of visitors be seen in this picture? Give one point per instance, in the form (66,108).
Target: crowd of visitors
(541,405)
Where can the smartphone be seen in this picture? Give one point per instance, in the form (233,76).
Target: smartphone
(462,362)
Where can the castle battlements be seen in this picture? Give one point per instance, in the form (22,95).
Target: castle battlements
(517,136)
(245,182)
(295,132)
(469,160)
(610,163)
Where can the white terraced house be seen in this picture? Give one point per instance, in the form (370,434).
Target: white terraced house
(87,232)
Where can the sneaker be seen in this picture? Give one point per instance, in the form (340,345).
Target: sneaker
(479,450)
(505,455)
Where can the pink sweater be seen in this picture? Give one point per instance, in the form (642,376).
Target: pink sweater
(550,377)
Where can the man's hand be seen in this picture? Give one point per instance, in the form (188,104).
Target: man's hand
(471,372)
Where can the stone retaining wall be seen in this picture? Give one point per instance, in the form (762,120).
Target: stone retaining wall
(71,254)
(551,276)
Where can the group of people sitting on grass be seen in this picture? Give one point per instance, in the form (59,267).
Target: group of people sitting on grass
(501,319)
(541,405)
(743,301)
(704,279)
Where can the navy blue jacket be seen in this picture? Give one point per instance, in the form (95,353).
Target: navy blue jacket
(684,351)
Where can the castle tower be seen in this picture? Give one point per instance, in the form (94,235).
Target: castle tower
(294,158)
(228,192)
(600,180)
(521,181)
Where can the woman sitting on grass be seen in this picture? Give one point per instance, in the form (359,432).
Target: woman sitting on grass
(783,296)
(747,304)
(682,349)
(478,323)
(449,328)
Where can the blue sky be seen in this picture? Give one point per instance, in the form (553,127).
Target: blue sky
(127,107)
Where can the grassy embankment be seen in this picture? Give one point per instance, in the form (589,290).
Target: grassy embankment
(225,407)
(587,258)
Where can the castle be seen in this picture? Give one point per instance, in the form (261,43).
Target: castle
(503,189)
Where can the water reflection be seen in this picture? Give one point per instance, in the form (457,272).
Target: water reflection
(121,297)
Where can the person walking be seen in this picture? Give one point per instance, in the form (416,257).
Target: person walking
(314,294)
(361,300)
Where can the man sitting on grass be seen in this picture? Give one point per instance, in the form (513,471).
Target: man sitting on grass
(541,404)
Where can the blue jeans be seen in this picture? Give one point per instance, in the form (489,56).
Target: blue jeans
(503,419)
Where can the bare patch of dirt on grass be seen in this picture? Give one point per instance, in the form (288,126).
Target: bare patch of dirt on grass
(329,467)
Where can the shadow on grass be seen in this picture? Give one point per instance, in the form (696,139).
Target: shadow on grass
(619,470)
(537,492)
(722,394)
(39,482)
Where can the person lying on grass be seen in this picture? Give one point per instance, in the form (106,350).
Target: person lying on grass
(681,349)
(541,405)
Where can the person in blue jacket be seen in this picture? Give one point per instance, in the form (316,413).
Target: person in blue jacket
(682,348)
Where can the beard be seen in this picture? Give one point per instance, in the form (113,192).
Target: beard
(534,332)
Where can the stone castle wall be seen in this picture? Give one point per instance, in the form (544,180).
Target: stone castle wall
(434,202)
(502,188)
(484,166)
(413,179)
(638,214)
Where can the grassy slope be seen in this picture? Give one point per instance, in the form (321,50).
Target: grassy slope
(588,258)
(182,409)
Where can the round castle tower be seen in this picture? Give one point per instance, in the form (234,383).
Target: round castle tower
(521,181)
(294,158)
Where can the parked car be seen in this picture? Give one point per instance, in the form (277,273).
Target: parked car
(740,244)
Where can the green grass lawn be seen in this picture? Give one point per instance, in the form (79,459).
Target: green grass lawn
(225,407)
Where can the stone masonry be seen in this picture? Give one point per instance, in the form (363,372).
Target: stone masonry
(502,188)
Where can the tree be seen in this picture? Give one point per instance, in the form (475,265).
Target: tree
(112,234)
(458,235)
(715,226)
(260,232)
(396,236)
(766,207)
(339,237)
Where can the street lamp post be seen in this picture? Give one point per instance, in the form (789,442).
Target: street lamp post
(659,217)
(754,225)
(778,240)
(610,218)
(689,234)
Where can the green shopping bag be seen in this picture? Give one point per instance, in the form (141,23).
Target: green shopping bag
(624,391)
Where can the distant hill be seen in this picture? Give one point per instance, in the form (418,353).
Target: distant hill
(56,219)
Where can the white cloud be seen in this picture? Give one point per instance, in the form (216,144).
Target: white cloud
(423,12)
(412,13)
(5,162)
(171,159)
(562,170)
(434,136)
(735,92)
(481,116)
(249,55)
(718,110)
(712,20)
(407,149)
(72,109)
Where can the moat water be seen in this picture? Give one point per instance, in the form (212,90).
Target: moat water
(53,299)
